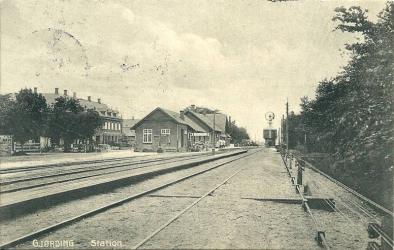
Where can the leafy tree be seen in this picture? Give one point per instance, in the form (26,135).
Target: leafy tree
(25,118)
(238,133)
(227,127)
(89,121)
(352,115)
(69,122)
(6,105)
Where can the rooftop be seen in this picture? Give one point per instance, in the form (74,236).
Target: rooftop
(102,108)
(220,120)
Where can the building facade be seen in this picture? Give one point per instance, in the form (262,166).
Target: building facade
(214,128)
(183,131)
(111,130)
(165,130)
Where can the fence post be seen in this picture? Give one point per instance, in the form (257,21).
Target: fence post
(300,169)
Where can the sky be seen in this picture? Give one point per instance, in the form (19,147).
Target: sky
(242,57)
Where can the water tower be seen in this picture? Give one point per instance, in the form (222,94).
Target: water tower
(270,133)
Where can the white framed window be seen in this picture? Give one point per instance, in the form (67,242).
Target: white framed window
(165,131)
(147,136)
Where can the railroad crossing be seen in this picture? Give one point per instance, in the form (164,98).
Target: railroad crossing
(243,198)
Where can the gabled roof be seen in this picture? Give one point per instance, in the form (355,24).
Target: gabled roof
(176,118)
(220,120)
(128,123)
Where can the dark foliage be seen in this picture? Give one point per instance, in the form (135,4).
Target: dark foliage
(24,117)
(352,115)
(69,121)
(27,116)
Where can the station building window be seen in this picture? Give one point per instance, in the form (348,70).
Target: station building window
(147,136)
(165,131)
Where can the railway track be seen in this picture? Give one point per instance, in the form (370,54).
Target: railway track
(364,209)
(15,204)
(10,170)
(24,183)
(50,166)
(48,229)
(21,173)
(361,209)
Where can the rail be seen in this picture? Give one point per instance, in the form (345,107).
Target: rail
(289,157)
(321,235)
(46,230)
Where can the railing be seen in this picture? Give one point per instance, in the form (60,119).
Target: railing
(295,167)
(27,147)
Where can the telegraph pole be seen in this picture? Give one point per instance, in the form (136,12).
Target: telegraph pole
(287,125)
(283,132)
(214,132)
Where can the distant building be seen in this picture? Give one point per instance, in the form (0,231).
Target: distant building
(128,132)
(111,130)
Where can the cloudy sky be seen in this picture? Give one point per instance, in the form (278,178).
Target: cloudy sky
(243,57)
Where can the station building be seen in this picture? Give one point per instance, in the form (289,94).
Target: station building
(214,126)
(165,129)
(178,132)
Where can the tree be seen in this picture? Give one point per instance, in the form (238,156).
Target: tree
(26,117)
(237,133)
(227,127)
(6,105)
(352,115)
(69,121)
(89,121)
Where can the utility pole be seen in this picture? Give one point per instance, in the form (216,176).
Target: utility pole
(287,125)
(214,132)
(282,124)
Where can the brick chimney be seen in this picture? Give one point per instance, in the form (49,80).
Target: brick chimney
(193,107)
(89,98)
(75,95)
(182,114)
(35,90)
(99,100)
(56,91)
(65,92)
